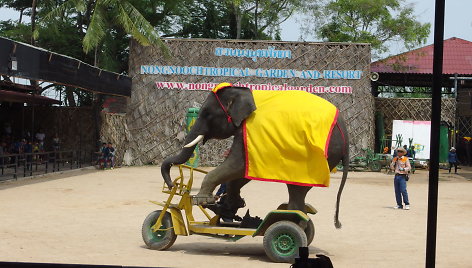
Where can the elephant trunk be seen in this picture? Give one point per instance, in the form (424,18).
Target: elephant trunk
(182,157)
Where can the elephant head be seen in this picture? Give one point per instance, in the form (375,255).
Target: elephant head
(221,115)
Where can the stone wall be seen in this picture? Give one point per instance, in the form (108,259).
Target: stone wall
(115,130)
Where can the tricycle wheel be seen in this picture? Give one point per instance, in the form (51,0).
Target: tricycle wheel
(375,166)
(310,232)
(162,239)
(282,240)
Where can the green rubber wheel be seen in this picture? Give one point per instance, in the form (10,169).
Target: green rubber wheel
(310,232)
(163,238)
(282,240)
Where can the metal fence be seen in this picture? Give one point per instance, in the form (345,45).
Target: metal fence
(13,166)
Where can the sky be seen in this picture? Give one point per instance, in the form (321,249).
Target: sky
(458,22)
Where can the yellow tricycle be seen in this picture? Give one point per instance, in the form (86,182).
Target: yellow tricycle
(284,231)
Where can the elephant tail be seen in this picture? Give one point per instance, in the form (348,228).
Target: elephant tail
(345,160)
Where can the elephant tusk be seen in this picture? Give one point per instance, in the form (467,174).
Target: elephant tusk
(195,141)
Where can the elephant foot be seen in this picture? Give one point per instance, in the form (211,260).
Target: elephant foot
(203,199)
(226,209)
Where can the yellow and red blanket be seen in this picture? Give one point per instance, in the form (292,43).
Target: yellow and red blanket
(286,138)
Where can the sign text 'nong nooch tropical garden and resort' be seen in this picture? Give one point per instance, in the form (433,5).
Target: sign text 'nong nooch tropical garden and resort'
(248,72)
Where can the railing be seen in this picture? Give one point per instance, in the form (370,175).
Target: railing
(29,164)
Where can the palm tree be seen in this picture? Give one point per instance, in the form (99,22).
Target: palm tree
(104,16)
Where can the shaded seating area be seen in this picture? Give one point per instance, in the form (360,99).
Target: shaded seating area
(13,166)
(38,134)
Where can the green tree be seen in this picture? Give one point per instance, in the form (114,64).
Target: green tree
(100,28)
(104,16)
(259,19)
(234,19)
(376,22)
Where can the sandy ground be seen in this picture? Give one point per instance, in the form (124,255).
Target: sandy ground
(94,217)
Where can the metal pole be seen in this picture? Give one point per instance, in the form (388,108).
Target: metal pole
(435,128)
(455,112)
(32,118)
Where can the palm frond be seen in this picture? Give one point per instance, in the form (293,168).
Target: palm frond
(79,5)
(97,28)
(138,27)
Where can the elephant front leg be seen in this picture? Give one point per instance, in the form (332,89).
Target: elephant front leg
(231,169)
(214,178)
(205,194)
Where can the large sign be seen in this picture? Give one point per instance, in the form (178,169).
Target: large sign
(240,72)
(209,86)
(238,65)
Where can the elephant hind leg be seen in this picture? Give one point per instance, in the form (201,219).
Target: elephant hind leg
(297,196)
(231,200)
(233,191)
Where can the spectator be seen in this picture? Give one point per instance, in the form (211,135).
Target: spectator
(452,159)
(18,147)
(2,152)
(395,152)
(40,136)
(101,155)
(28,149)
(109,155)
(56,143)
(411,152)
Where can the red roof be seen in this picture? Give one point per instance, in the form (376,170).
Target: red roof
(457,58)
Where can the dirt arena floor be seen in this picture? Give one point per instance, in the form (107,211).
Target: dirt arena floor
(94,217)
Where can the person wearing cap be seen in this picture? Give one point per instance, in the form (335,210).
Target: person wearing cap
(401,165)
(452,159)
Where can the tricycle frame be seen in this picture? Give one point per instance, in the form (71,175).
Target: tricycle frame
(297,222)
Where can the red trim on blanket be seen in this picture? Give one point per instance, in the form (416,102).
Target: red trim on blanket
(335,120)
(286,182)
(246,169)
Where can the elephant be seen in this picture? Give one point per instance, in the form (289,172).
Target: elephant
(224,114)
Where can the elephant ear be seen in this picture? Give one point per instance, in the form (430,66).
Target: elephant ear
(241,105)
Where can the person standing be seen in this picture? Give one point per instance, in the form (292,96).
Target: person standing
(401,165)
(452,159)
(411,152)
(56,142)
(3,150)
(109,155)
(40,137)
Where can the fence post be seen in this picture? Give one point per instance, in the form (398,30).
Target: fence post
(16,168)
(46,157)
